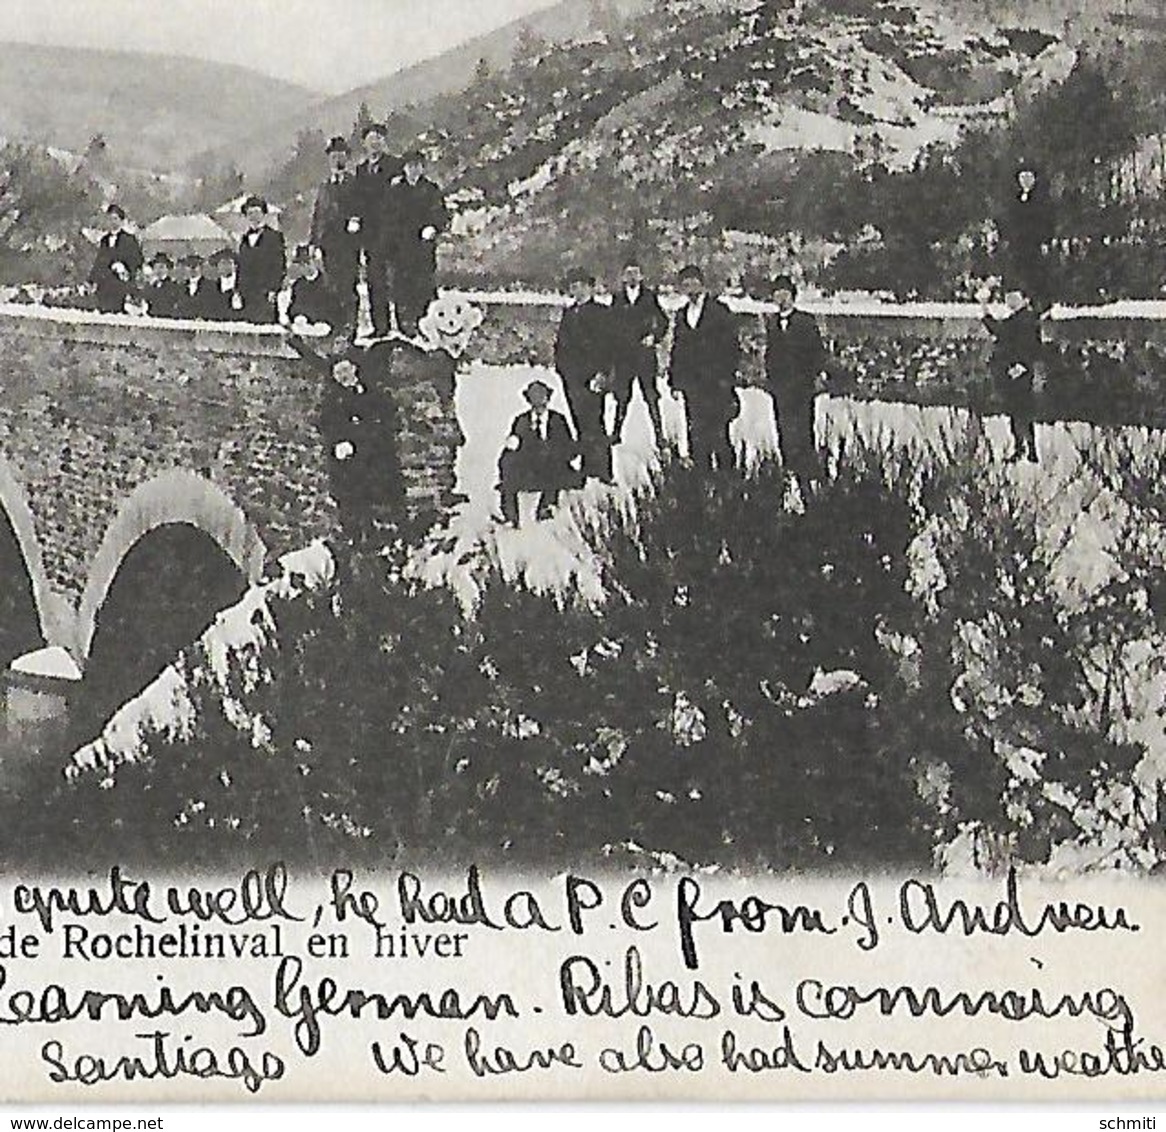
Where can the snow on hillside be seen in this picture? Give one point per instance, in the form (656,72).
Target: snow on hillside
(667,122)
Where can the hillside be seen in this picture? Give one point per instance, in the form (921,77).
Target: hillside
(691,113)
(763,134)
(260,149)
(153,110)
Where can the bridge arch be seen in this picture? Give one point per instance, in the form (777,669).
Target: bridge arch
(173,499)
(16,522)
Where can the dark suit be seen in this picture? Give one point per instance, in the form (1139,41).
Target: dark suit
(794,356)
(1016,353)
(260,270)
(207,304)
(374,209)
(537,464)
(1028,224)
(315,300)
(112,291)
(704,368)
(414,260)
(162,299)
(337,204)
(365,483)
(215,304)
(633,358)
(582,352)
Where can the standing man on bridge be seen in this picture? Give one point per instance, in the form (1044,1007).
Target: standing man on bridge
(373,223)
(794,360)
(419,216)
(638,325)
(706,353)
(119,259)
(336,228)
(260,264)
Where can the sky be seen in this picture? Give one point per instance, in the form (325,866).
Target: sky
(328,45)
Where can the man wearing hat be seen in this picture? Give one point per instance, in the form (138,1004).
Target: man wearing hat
(336,227)
(221,302)
(583,359)
(706,352)
(115,267)
(1028,227)
(190,300)
(537,456)
(638,325)
(1017,364)
(373,222)
(162,292)
(261,263)
(794,359)
(419,216)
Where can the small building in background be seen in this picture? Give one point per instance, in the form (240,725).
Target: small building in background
(195,234)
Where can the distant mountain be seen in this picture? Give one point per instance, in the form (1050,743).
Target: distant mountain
(256,151)
(154,111)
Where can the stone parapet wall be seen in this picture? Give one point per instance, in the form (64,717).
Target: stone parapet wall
(95,409)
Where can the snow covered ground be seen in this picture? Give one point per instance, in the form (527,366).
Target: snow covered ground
(1074,512)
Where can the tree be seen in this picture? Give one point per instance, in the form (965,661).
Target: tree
(529,48)
(43,207)
(364,119)
(216,186)
(603,19)
(305,168)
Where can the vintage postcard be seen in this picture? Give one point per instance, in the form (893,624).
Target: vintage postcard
(582,549)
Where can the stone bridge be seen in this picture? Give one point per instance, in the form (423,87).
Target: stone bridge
(147,464)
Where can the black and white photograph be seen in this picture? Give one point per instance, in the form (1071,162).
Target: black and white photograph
(678,442)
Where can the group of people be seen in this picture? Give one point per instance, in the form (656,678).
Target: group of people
(243,285)
(602,349)
(376,220)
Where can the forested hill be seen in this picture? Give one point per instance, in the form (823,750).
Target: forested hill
(690,120)
(152,110)
(686,116)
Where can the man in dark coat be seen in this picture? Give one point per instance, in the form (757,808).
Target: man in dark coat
(163,292)
(373,191)
(1017,361)
(537,456)
(419,217)
(637,326)
(220,301)
(358,427)
(336,227)
(583,359)
(795,357)
(191,296)
(706,353)
(260,264)
(312,299)
(115,267)
(1028,228)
